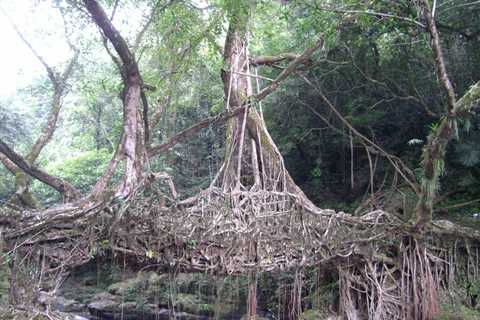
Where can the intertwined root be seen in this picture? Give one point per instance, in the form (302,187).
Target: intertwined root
(253,218)
(384,273)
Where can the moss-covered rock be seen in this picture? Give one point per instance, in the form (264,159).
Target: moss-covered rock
(193,304)
(129,287)
(148,292)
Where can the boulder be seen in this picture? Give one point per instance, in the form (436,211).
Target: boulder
(193,304)
(104,305)
(108,306)
(67,305)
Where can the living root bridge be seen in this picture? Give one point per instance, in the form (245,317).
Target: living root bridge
(385,272)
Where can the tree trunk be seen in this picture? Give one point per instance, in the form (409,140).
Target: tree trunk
(132,141)
(433,156)
(248,127)
(22,193)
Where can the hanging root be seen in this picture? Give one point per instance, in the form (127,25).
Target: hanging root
(295,306)
(259,225)
(252,296)
(409,283)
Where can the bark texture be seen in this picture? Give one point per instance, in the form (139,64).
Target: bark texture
(253,160)
(132,142)
(433,156)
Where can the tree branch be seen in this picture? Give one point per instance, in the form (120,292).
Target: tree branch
(441,70)
(189,132)
(396,162)
(155,119)
(292,67)
(8,164)
(372,13)
(114,10)
(104,23)
(434,151)
(58,184)
(59,85)
(469,35)
(155,11)
(269,60)
(49,128)
(469,99)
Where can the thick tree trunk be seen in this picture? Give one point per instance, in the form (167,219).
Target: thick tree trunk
(132,142)
(248,127)
(235,88)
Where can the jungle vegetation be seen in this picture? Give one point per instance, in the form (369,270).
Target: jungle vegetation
(355,105)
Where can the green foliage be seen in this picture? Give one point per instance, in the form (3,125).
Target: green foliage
(461,313)
(311,315)
(6,184)
(81,170)
(10,124)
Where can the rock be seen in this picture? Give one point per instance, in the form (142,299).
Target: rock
(108,306)
(67,305)
(11,313)
(44,298)
(103,296)
(144,296)
(128,286)
(61,304)
(193,304)
(104,305)
(138,284)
